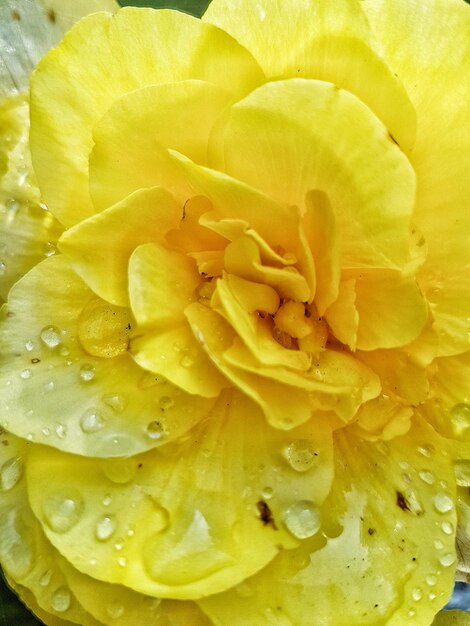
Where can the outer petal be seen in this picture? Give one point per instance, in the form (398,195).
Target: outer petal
(56,393)
(452,618)
(438,84)
(384,527)
(130,140)
(171,46)
(304,135)
(206,513)
(321,40)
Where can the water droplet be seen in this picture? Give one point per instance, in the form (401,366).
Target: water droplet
(460,419)
(446,560)
(431,580)
(119,545)
(122,561)
(160,517)
(186,361)
(115,610)
(45,578)
(462,473)
(114,401)
(61,431)
(426,451)
(427,477)
(91,421)
(46,431)
(120,470)
(432,596)
(301,455)
(107,500)
(3,268)
(165,403)
(154,429)
(417,594)
(267,493)
(438,545)
(11,473)
(50,336)
(61,600)
(302,519)
(447,528)
(62,511)
(29,345)
(64,351)
(443,503)
(49,386)
(105,527)
(25,374)
(87,372)
(49,249)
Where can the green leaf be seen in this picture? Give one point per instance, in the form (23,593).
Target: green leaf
(12,611)
(452,618)
(193,7)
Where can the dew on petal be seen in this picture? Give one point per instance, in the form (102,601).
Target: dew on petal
(462,473)
(447,528)
(443,503)
(87,372)
(25,374)
(427,477)
(29,345)
(155,429)
(120,471)
(460,419)
(431,580)
(16,551)
(61,600)
(446,560)
(165,403)
(417,594)
(91,421)
(301,455)
(50,336)
(45,578)
(302,519)
(11,473)
(61,431)
(105,527)
(62,511)
(115,610)
(115,402)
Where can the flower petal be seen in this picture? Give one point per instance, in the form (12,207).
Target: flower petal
(221,526)
(102,261)
(321,40)
(438,85)
(338,146)
(384,526)
(130,140)
(171,47)
(57,393)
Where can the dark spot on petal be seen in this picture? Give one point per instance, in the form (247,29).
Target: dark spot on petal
(393,139)
(15,15)
(35,360)
(51,16)
(371,531)
(265,514)
(402,502)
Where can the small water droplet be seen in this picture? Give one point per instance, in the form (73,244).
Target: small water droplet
(302,519)
(29,345)
(50,336)
(49,249)
(61,431)
(87,372)
(462,473)
(3,268)
(411,612)
(49,386)
(62,511)
(107,500)
(115,610)
(426,451)
(25,374)
(432,596)
(417,594)
(91,421)
(301,455)
(120,471)
(446,560)
(447,528)
(64,351)
(122,561)
(154,429)
(431,580)
(438,545)
(267,493)
(46,431)
(443,503)
(165,403)
(45,578)
(114,401)
(61,600)
(105,527)
(427,477)
(186,361)
(11,473)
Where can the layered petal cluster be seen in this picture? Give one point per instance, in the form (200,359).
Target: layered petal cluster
(234,391)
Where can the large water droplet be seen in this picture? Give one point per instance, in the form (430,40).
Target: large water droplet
(61,600)
(104,329)
(105,527)
(460,419)
(91,421)
(87,372)
(50,336)
(114,401)
(447,528)
(431,580)
(62,510)
(443,503)
(301,455)
(302,519)
(155,429)
(120,470)
(427,477)
(11,473)
(446,560)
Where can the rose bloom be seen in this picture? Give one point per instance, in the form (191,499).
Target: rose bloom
(236,348)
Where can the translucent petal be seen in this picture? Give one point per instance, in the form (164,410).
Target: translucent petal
(322,41)
(305,134)
(438,85)
(28,232)
(56,393)
(452,618)
(99,248)
(171,47)
(383,526)
(205,513)
(130,140)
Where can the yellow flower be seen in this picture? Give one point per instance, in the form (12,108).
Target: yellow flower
(237,394)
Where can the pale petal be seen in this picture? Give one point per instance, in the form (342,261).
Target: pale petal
(384,527)
(55,392)
(321,40)
(219,496)
(100,247)
(305,134)
(171,47)
(436,36)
